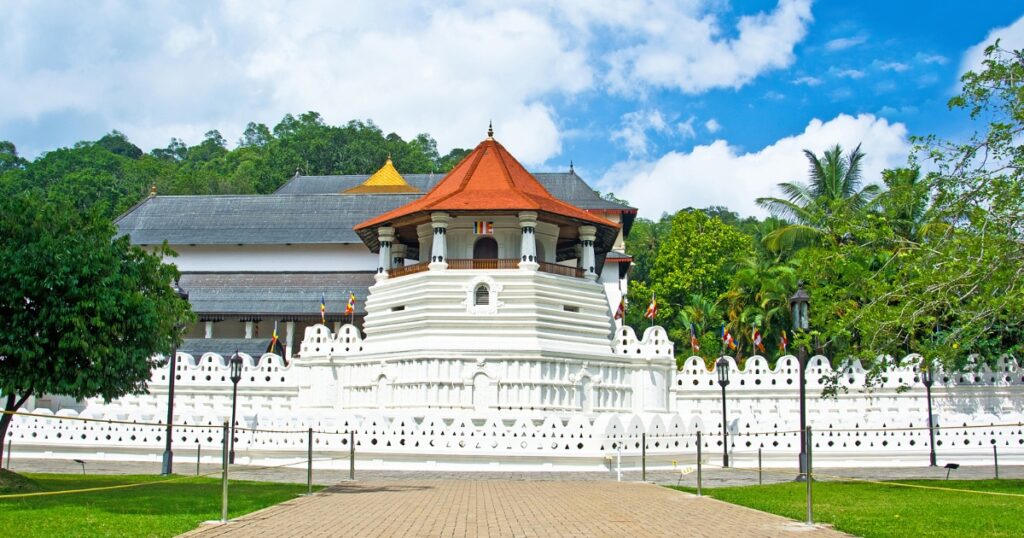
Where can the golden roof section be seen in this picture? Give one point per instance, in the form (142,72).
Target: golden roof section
(387,180)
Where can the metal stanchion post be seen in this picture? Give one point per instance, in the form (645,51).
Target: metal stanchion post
(8,454)
(759,480)
(643,457)
(995,459)
(810,480)
(199,454)
(224,480)
(699,477)
(309,463)
(352,455)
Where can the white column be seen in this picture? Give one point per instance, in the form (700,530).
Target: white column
(587,236)
(528,244)
(248,329)
(398,254)
(209,330)
(289,334)
(439,250)
(385,235)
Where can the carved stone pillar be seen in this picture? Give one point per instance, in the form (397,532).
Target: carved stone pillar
(528,249)
(588,234)
(439,248)
(385,235)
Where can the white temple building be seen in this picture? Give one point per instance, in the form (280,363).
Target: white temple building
(483,338)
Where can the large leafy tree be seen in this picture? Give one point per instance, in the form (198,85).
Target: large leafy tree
(83,313)
(960,285)
(692,259)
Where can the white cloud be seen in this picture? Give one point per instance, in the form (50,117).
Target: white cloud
(722,174)
(685,128)
(712,126)
(931,58)
(683,47)
(180,69)
(808,81)
(847,73)
(1011,38)
(634,129)
(844,43)
(898,67)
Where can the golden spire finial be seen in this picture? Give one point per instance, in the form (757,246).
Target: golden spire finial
(152,190)
(490,130)
(389,156)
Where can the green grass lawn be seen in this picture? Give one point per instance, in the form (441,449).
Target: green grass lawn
(149,510)
(872,510)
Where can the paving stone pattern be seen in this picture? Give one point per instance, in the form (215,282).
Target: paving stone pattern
(507,508)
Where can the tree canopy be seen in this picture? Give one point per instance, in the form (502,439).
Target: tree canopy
(83,312)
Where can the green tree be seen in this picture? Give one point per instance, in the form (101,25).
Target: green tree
(834,193)
(9,159)
(83,313)
(692,259)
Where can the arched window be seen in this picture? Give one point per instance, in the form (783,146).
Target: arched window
(481,295)
(485,248)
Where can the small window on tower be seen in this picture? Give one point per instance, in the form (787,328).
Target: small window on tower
(482,295)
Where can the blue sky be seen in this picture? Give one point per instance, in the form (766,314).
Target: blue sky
(669,104)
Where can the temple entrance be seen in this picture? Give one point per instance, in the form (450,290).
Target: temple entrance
(485,248)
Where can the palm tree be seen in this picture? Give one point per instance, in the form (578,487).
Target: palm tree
(834,191)
(758,297)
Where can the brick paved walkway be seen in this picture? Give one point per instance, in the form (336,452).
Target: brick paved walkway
(506,508)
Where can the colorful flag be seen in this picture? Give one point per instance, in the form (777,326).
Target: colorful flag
(783,342)
(727,339)
(694,343)
(483,227)
(621,311)
(274,341)
(652,309)
(350,308)
(323,308)
(756,337)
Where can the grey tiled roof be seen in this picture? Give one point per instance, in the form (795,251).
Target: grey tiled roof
(225,347)
(305,210)
(275,294)
(253,219)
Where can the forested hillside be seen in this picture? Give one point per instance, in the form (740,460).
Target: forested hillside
(116,173)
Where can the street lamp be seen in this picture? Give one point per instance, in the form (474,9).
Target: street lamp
(798,304)
(172,373)
(927,378)
(236,376)
(723,380)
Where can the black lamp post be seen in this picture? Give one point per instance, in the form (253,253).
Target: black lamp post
(172,373)
(723,380)
(236,376)
(927,378)
(798,304)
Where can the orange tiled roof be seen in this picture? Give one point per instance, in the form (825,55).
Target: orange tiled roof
(488,179)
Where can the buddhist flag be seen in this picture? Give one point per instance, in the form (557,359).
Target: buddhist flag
(483,227)
(275,342)
(652,309)
(756,338)
(783,342)
(621,311)
(727,339)
(323,308)
(694,343)
(350,307)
